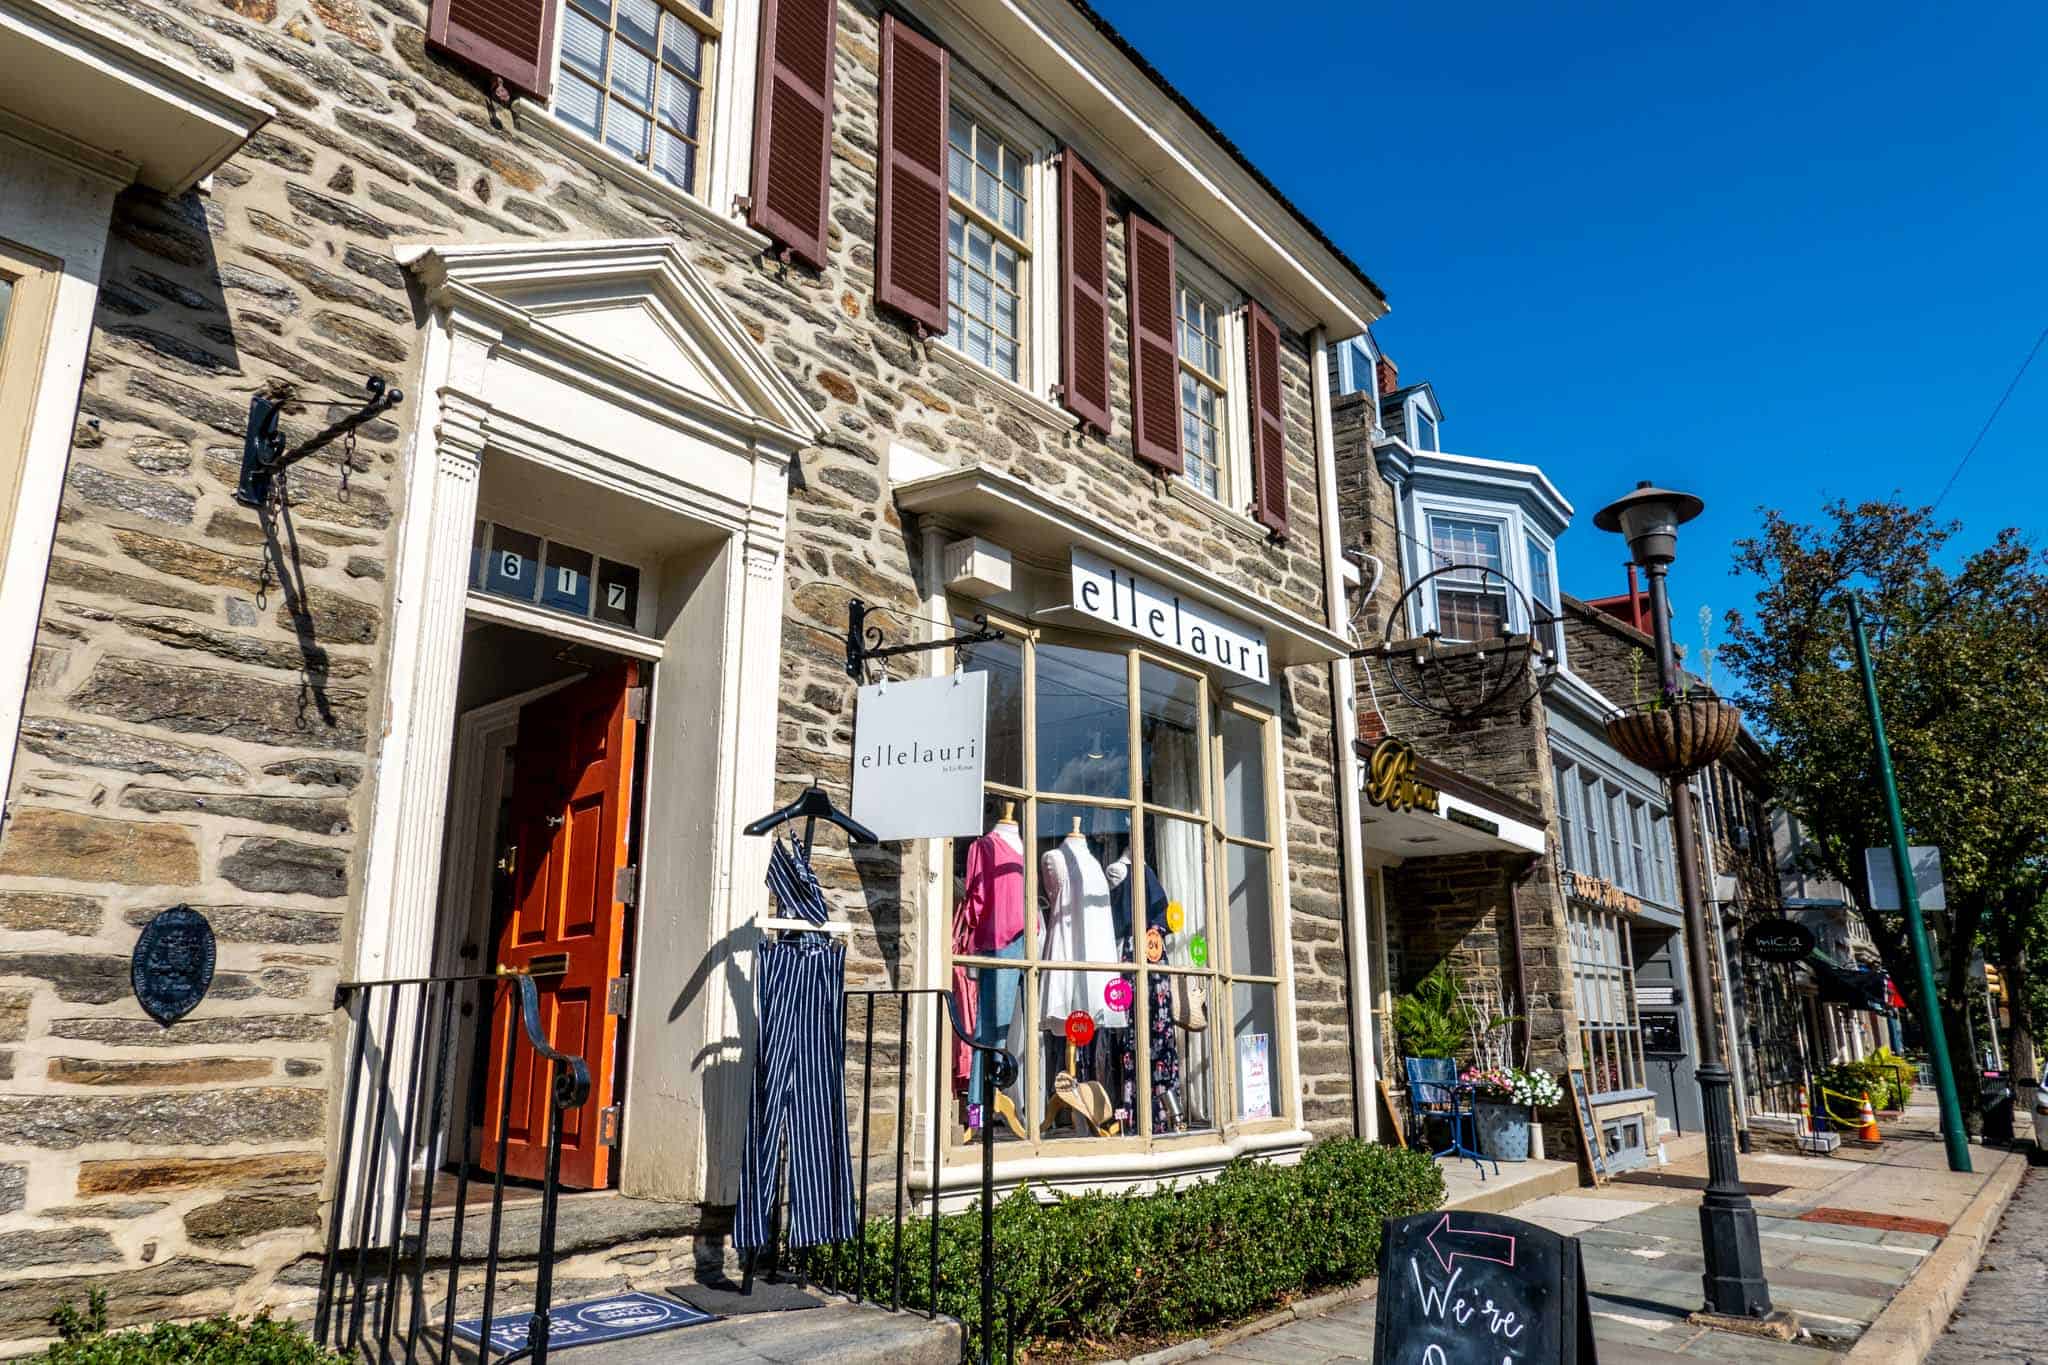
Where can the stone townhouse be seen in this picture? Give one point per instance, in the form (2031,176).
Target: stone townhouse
(1540,864)
(708,316)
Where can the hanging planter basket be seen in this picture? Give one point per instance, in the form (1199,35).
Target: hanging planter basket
(1678,738)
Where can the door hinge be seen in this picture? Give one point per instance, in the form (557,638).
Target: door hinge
(608,1125)
(636,704)
(626,886)
(618,995)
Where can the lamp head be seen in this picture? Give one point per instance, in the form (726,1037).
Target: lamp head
(1649,518)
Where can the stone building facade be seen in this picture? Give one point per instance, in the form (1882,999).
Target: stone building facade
(262,714)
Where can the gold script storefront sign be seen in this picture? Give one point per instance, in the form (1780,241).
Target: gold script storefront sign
(1391,781)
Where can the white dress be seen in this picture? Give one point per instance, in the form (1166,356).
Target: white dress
(1078,929)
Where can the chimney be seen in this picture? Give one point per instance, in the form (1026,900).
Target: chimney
(1390,376)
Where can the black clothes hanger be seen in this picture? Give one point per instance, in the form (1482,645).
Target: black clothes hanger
(811,807)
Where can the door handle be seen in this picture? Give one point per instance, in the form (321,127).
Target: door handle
(554,821)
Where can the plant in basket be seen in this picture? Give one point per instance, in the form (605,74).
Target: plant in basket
(1505,1096)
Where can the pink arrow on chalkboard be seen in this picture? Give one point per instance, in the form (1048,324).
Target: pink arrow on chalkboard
(1447,1232)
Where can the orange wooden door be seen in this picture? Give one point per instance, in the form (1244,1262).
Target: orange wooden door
(572,793)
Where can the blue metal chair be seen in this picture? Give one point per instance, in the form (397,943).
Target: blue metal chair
(1434,1091)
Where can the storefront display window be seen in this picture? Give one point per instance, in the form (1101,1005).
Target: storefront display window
(1116,926)
(1603,985)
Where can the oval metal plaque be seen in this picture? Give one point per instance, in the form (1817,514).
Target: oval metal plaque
(1778,941)
(173,964)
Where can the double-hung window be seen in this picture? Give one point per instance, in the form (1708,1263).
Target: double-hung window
(1470,604)
(1204,392)
(1542,595)
(988,244)
(1120,927)
(1603,988)
(636,74)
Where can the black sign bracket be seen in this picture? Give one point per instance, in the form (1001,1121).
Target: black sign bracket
(263,454)
(864,642)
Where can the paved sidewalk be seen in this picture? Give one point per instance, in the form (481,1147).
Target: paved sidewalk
(1834,1249)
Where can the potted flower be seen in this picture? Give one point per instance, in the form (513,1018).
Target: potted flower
(1505,1096)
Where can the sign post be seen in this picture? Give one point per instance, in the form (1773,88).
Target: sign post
(1952,1131)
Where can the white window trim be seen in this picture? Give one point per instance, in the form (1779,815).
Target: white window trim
(1517,532)
(1237,445)
(1419,402)
(725,169)
(1041,348)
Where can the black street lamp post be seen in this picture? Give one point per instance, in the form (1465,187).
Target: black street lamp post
(1735,1285)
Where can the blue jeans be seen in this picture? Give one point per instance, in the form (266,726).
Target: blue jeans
(1001,988)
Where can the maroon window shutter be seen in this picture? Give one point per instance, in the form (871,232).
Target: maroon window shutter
(1269,424)
(793,125)
(514,40)
(1155,356)
(1084,326)
(910,257)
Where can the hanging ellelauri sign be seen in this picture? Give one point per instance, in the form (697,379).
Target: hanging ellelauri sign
(1109,592)
(918,756)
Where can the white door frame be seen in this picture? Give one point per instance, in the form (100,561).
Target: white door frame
(696,423)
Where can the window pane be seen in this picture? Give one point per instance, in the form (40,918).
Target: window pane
(566,584)
(633,77)
(1169,731)
(1255,1040)
(1003,661)
(991,1001)
(1084,746)
(1187,1101)
(1244,775)
(683,48)
(1177,851)
(637,19)
(675,159)
(1076,847)
(583,46)
(514,570)
(679,101)
(579,104)
(626,131)
(1249,883)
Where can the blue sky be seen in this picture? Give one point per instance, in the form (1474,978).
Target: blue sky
(1770,257)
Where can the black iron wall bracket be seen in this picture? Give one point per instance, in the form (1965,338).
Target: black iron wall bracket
(864,642)
(263,453)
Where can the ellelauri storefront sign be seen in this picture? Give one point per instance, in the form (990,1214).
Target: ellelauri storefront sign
(919,755)
(1108,592)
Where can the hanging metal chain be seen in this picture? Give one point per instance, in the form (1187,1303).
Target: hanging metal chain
(348,460)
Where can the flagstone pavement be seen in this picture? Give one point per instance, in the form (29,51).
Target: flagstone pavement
(1641,1245)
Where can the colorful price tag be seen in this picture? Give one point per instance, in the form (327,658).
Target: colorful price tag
(1155,944)
(1080,1028)
(1198,950)
(1176,917)
(1117,994)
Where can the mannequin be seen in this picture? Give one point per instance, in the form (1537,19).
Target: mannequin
(1151,939)
(988,921)
(1078,928)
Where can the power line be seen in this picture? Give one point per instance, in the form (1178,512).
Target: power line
(2000,407)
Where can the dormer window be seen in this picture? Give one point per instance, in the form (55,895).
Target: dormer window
(1422,433)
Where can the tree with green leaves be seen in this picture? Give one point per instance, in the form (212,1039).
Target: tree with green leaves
(1960,646)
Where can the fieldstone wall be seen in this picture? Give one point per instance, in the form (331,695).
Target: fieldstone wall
(207,690)
(1475,910)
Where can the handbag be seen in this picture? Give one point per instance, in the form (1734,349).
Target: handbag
(1190,1003)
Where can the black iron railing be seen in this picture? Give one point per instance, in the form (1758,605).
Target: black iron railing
(389,1289)
(878,1265)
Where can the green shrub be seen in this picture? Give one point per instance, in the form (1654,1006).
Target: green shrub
(1889,1081)
(216,1341)
(1085,1268)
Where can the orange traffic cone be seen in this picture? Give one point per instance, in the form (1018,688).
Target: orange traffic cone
(1805,1116)
(1868,1131)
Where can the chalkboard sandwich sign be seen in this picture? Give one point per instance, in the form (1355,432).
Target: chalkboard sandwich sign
(1461,1288)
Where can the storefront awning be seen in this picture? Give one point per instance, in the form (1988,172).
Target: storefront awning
(1035,525)
(1467,817)
(1860,988)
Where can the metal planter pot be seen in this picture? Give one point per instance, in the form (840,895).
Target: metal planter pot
(1504,1130)
(1677,739)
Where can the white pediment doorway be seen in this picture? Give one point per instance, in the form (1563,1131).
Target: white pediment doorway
(598,476)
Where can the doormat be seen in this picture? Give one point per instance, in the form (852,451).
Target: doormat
(1883,1222)
(716,1294)
(1672,1181)
(611,1318)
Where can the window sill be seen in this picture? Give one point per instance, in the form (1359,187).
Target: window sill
(1010,391)
(531,119)
(1181,491)
(1607,1097)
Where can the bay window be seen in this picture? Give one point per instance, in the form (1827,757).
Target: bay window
(1470,605)
(1118,928)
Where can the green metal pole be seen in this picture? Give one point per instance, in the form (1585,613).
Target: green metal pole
(1952,1130)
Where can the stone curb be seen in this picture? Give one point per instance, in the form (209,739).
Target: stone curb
(1216,1341)
(1907,1329)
